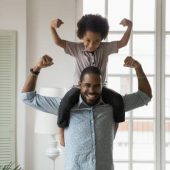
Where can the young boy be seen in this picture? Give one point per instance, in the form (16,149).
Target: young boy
(92,29)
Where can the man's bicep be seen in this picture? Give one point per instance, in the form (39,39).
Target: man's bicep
(47,104)
(43,103)
(135,100)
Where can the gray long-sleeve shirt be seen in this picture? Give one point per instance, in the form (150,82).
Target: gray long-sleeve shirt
(89,137)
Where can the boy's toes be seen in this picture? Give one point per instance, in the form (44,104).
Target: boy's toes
(62,142)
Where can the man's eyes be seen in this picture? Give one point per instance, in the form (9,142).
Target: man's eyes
(87,85)
(95,86)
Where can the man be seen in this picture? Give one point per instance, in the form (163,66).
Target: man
(89,137)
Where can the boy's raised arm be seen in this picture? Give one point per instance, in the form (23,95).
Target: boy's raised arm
(124,40)
(56,23)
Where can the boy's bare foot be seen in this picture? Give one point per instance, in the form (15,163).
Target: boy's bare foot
(62,143)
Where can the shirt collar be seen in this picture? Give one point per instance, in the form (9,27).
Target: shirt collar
(84,50)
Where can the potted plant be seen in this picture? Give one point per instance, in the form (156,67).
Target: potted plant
(10,166)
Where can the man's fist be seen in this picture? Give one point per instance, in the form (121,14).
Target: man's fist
(56,23)
(44,61)
(130,62)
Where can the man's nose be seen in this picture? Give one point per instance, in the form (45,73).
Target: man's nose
(91,89)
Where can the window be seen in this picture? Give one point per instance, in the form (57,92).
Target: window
(143,141)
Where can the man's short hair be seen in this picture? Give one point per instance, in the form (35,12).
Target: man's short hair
(90,70)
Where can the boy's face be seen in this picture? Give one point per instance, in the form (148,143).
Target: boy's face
(91,41)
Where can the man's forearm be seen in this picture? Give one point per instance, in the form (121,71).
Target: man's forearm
(43,62)
(30,83)
(143,83)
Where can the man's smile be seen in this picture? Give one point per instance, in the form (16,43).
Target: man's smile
(92,96)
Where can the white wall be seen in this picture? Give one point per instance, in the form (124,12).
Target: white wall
(59,75)
(31,18)
(13,17)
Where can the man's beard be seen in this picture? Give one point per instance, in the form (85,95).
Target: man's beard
(92,103)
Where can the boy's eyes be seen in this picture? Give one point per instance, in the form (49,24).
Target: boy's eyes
(97,41)
(94,41)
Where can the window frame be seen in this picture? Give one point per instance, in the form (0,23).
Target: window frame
(159,77)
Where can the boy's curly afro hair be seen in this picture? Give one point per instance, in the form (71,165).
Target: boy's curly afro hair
(94,23)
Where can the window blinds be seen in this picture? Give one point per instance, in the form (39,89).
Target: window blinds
(7,96)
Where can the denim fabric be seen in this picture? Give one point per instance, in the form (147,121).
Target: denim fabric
(89,137)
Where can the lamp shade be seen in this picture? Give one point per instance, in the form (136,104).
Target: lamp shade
(46,123)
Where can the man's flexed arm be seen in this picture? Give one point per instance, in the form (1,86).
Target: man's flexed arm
(30,83)
(55,24)
(143,83)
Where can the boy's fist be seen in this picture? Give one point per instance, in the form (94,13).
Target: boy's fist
(56,23)
(126,22)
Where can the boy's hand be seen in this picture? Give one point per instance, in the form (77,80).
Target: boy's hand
(130,62)
(126,22)
(44,61)
(56,23)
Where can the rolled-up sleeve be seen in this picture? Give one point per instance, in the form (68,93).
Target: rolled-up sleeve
(135,100)
(73,49)
(39,102)
(110,47)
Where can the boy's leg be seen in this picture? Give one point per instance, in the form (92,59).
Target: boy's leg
(61,136)
(66,104)
(115,99)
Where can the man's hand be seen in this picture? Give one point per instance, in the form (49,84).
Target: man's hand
(56,23)
(130,62)
(44,61)
(125,22)
(30,84)
(143,83)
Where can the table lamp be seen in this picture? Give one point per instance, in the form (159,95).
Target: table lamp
(46,123)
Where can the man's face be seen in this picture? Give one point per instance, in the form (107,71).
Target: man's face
(91,88)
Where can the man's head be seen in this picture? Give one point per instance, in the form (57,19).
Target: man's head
(92,29)
(91,85)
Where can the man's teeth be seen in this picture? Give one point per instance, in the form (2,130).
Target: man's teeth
(91,95)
